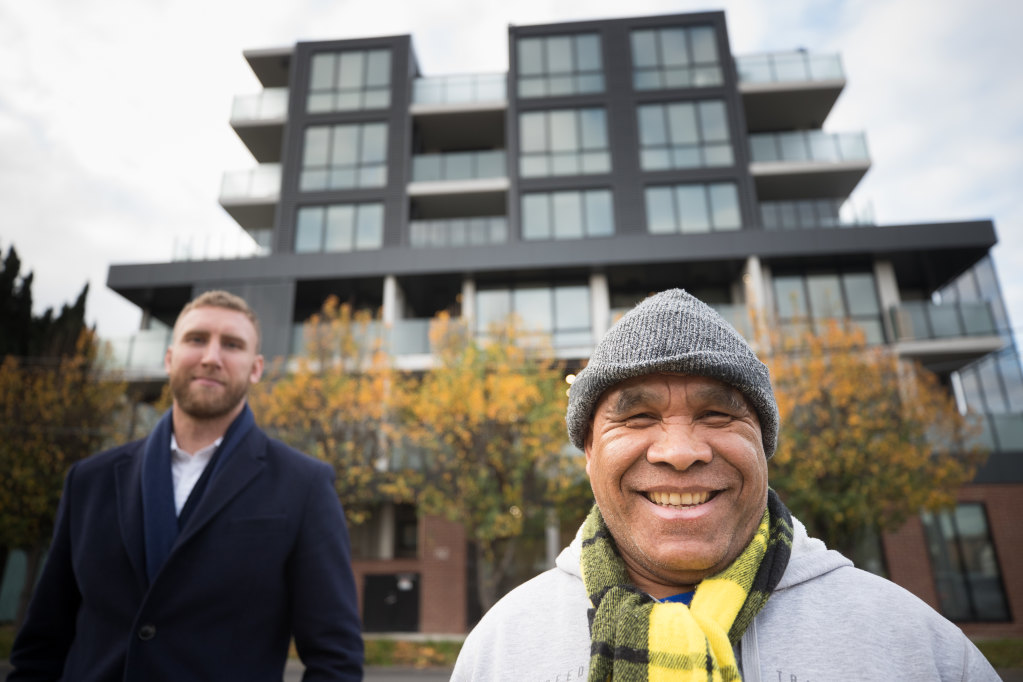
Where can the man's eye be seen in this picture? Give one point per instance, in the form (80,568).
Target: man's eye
(715,415)
(641,417)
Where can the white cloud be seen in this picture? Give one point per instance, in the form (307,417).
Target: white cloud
(114,134)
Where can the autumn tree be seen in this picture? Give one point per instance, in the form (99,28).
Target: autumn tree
(488,423)
(867,439)
(334,402)
(54,411)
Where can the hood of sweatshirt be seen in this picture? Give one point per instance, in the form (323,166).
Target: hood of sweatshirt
(810,558)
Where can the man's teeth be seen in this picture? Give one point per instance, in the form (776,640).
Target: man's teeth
(679,499)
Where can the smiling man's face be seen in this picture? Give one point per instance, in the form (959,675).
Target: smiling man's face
(678,470)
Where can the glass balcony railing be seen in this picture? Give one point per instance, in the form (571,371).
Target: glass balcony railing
(141,353)
(439,234)
(783,67)
(808,145)
(269,105)
(918,320)
(403,337)
(808,214)
(260,183)
(1000,432)
(460,89)
(455,166)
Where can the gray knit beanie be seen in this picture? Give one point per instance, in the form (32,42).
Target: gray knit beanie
(672,332)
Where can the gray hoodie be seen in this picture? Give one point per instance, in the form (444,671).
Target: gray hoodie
(825,621)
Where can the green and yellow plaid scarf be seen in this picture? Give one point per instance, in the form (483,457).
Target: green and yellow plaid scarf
(636,638)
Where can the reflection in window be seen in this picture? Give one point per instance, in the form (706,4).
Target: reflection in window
(560,65)
(684,135)
(567,215)
(965,565)
(564,142)
(690,209)
(561,312)
(805,302)
(351,80)
(675,58)
(341,227)
(344,157)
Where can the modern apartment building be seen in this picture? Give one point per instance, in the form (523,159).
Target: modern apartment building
(613,159)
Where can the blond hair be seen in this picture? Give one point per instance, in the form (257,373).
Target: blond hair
(221,299)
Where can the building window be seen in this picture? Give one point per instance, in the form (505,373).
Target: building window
(675,58)
(684,135)
(341,227)
(344,157)
(561,312)
(805,302)
(560,65)
(351,80)
(564,142)
(694,208)
(567,215)
(965,564)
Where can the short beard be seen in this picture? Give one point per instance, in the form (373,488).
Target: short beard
(199,406)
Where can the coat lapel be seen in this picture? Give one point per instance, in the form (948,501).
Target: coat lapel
(128,484)
(244,465)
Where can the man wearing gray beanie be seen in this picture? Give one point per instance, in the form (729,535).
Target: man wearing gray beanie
(689,567)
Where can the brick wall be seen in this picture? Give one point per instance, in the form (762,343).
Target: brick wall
(909,563)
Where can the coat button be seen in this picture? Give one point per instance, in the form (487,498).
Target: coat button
(147,632)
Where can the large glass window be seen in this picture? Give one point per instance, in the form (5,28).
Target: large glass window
(344,157)
(350,80)
(561,312)
(965,565)
(805,301)
(563,142)
(693,208)
(340,227)
(684,135)
(675,58)
(567,215)
(560,65)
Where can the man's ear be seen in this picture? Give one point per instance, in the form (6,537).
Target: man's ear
(588,448)
(257,370)
(167,360)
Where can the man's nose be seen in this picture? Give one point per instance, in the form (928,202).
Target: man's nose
(677,442)
(211,353)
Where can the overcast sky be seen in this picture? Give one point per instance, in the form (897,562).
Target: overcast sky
(114,113)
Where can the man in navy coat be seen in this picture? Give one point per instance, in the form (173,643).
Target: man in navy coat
(199,552)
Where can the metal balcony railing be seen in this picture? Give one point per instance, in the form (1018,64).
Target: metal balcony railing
(784,67)
(919,320)
(808,145)
(805,214)
(456,166)
(460,89)
(269,105)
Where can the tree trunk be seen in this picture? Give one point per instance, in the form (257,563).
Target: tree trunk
(489,574)
(33,558)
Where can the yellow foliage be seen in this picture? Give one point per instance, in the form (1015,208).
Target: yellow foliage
(867,439)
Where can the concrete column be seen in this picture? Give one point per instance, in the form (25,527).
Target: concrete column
(392,301)
(385,548)
(468,301)
(600,305)
(755,290)
(887,293)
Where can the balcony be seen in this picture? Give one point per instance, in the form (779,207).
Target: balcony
(251,196)
(459,184)
(465,91)
(259,121)
(812,214)
(945,337)
(788,90)
(457,232)
(807,164)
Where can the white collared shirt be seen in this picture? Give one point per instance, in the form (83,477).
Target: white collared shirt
(187,468)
